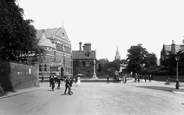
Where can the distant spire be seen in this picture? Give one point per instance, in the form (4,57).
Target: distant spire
(117,56)
(117,51)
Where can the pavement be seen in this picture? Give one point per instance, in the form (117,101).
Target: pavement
(44,85)
(18,92)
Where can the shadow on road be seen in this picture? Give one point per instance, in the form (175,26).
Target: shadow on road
(168,89)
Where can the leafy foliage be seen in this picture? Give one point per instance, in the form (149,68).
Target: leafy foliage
(139,60)
(18,36)
(109,67)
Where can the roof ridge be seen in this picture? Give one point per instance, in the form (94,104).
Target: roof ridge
(175,44)
(49,28)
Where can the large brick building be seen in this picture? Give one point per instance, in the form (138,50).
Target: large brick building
(57,52)
(84,61)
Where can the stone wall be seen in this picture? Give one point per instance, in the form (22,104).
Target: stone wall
(16,76)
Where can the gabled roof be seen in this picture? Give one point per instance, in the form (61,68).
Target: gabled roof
(62,34)
(168,48)
(53,32)
(49,33)
(84,54)
(181,49)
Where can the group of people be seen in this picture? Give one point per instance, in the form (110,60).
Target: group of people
(68,83)
(138,77)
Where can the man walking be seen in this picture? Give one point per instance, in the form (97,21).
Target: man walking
(67,84)
(52,82)
(70,86)
(107,78)
(150,78)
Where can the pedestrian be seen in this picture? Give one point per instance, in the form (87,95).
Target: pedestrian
(138,77)
(42,78)
(124,78)
(145,78)
(167,81)
(141,77)
(66,84)
(150,78)
(52,82)
(107,78)
(59,82)
(135,77)
(78,81)
(70,86)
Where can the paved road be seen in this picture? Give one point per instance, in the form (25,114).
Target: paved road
(131,98)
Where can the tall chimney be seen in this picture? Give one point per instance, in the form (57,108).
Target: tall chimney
(87,46)
(80,44)
(173,51)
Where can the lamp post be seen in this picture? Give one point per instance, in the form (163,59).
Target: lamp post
(177,81)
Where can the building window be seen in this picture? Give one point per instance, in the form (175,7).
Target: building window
(40,67)
(87,64)
(83,63)
(69,70)
(45,67)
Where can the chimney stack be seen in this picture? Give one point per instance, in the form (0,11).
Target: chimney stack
(87,46)
(80,44)
(173,51)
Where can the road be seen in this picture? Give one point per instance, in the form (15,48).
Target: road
(131,98)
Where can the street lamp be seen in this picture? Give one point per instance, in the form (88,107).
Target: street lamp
(177,81)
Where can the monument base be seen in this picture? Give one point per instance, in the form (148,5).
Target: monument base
(94,76)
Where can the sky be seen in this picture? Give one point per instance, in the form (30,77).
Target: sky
(108,24)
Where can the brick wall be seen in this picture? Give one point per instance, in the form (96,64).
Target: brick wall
(16,76)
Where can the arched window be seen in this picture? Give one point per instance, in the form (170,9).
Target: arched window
(45,67)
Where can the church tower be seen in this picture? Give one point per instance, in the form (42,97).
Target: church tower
(117,56)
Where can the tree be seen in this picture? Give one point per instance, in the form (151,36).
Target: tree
(101,63)
(151,59)
(140,60)
(136,55)
(18,36)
